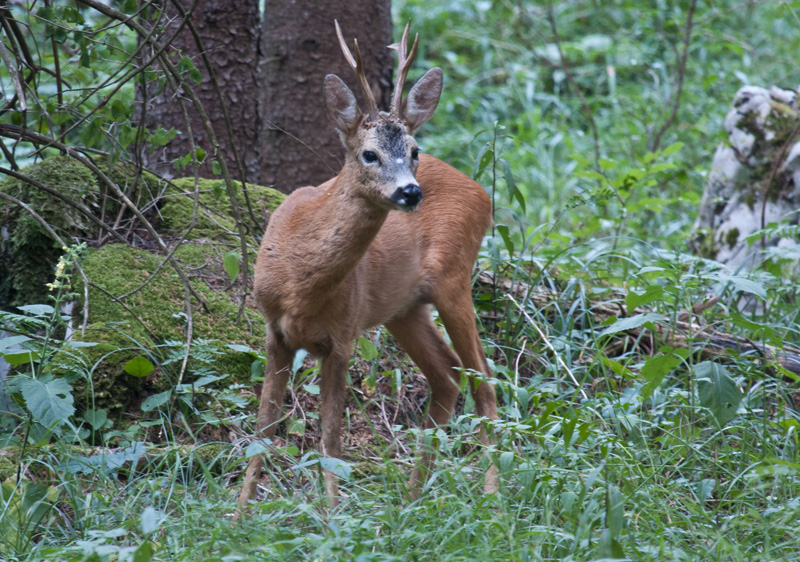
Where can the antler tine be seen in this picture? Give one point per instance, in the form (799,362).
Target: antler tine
(358,66)
(404,60)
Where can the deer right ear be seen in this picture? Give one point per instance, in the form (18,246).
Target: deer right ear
(340,104)
(422,99)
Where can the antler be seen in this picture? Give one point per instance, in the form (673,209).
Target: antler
(358,67)
(403,64)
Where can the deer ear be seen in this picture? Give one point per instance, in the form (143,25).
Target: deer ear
(340,103)
(422,99)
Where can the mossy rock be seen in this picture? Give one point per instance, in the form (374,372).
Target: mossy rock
(157,309)
(28,254)
(215,213)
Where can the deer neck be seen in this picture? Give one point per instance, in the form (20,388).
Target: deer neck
(349,224)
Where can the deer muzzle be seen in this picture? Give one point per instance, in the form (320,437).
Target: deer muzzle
(408,197)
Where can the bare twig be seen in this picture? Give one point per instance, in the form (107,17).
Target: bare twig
(12,70)
(71,202)
(573,84)
(55,237)
(676,99)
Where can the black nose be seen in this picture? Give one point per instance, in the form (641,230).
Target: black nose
(408,196)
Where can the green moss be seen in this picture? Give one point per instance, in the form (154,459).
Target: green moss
(29,254)
(160,306)
(215,214)
(702,243)
(732,237)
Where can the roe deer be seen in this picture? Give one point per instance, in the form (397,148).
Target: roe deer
(394,233)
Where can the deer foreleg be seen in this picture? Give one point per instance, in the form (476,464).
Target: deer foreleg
(333,389)
(276,375)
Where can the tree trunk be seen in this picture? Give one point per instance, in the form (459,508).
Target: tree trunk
(228,36)
(297,144)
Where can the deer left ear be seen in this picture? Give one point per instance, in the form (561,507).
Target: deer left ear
(422,99)
(340,104)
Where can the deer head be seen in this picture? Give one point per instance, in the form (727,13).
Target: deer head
(380,146)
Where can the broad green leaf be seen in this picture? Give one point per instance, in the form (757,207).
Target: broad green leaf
(311,389)
(139,367)
(482,160)
(96,418)
(672,149)
(156,400)
(624,324)
(297,426)
(657,367)
(506,462)
(37,309)
(339,467)
(717,391)
(257,369)
(11,341)
(742,283)
(606,164)
(504,234)
(151,519)
(513,190)
(636,298)
(256,447)
(144,553)
(231,264)
(367,349)
(49,402)
(615,510)
(106,462)
(297,362)
(18,358)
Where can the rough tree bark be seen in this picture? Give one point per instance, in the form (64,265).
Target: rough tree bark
(299,46)
(271,76)
(229,34)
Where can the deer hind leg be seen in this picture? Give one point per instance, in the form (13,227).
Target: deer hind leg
(421,339)
(458,315)
(333,390)
(276,375)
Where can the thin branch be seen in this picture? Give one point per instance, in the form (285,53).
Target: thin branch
(55,237)
(73,203)
(212,137)
(226,115)
(570,78)
(676,99)
(12,70)
(103,177)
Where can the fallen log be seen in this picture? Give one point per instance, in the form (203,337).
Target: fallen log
(685,333)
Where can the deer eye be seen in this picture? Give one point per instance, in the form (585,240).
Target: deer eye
(415,154)
(370,157)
